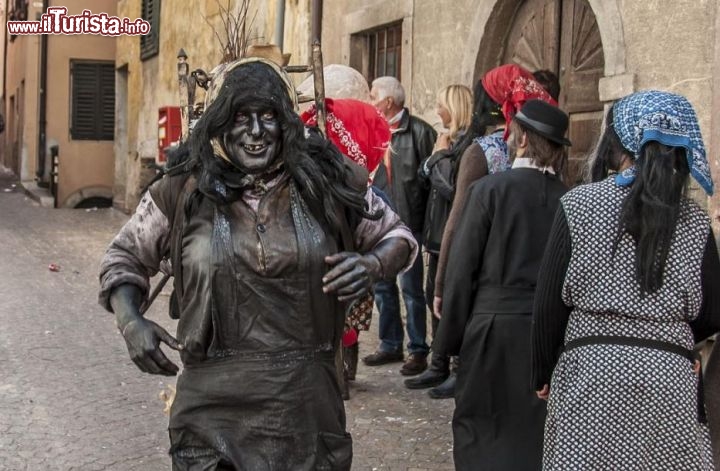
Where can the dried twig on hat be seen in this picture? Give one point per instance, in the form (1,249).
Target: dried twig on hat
(233,38)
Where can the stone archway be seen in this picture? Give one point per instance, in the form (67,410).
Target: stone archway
(609,22)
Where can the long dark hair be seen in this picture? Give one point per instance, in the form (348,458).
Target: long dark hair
(321,173)
(486,113)
(609,153)
(651,209)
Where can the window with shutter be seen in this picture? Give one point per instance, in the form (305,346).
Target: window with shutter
(92,100)
(150,43)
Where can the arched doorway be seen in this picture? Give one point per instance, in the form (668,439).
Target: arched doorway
(563,37)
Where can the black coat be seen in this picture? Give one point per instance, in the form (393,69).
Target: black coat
(411,143)
(487,311)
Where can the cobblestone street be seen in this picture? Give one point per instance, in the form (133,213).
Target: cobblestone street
(71,399)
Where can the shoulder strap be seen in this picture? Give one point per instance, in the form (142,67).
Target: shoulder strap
(346,239)
(177,228)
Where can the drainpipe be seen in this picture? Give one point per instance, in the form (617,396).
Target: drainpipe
(316,22)
(279,24)
(42,118)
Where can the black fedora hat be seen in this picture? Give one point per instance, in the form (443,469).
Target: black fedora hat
(545,119)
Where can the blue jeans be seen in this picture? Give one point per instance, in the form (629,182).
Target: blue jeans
(387,299)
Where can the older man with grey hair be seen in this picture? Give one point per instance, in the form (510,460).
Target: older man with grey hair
(412,141)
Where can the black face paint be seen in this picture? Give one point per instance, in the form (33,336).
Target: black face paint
(253,143)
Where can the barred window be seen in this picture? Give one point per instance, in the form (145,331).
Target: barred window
(150,43)
(92,102)
(378,52)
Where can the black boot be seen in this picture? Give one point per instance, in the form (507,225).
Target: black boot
(433,376)
(345,389)
(446,390)
(350,357)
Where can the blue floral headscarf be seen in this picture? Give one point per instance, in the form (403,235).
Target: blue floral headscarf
(666,118)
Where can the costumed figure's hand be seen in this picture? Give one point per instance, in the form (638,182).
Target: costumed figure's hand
(141,335)
(352,275)
(544,393)
(437,307)
(143,338)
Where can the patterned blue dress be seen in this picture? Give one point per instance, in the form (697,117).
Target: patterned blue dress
(621,406)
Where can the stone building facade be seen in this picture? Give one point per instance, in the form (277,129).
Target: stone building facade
(601,50)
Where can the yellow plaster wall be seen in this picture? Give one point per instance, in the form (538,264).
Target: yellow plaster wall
(22,67)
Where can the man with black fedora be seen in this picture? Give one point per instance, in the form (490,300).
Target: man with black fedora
(488,296)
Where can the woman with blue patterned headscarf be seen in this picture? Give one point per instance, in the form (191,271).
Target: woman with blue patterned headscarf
(627,287)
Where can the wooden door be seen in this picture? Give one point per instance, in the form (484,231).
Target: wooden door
(563,36)
(534,40)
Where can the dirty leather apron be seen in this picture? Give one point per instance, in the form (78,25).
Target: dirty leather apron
(259,388)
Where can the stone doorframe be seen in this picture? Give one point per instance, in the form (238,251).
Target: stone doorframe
(616,82)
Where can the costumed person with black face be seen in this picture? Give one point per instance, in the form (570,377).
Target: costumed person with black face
(271,232)
(487,299)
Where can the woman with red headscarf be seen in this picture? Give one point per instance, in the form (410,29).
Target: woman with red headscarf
(357,128)
(497,97)
(361,133)
(492,265)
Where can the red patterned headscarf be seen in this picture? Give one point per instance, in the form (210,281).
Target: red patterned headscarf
(358,129)
(511,86)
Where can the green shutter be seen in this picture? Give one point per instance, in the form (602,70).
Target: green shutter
(150,43)
(92,101)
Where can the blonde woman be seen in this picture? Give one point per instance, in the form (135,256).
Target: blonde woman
(454,107)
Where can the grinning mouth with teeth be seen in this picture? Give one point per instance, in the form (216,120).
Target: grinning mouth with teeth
(254,147)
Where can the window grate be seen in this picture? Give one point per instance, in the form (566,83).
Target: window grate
(380,51)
